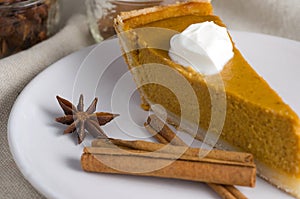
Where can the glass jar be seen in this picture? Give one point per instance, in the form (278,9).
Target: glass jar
(24,23)
(101,14)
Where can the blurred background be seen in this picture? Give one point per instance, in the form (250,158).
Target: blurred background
(275,17)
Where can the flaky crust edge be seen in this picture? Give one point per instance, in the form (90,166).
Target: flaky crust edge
(118,21)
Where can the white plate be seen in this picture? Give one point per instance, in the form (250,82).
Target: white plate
(51,160)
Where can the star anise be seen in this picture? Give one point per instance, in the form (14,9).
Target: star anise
(81,120)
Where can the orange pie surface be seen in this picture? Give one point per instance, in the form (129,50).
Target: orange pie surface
(256,119)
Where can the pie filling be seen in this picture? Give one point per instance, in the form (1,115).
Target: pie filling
(255,119)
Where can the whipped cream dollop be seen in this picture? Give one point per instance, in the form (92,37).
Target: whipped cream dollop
(204,46)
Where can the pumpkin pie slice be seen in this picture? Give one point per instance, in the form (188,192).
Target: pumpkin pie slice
(253,117)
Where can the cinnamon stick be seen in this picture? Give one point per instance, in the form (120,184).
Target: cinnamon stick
(153,122)
(227,191)
(184,152)
(179,162)
(167,165)
(162,130)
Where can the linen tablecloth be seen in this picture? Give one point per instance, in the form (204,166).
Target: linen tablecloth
(276,17)
(15,72)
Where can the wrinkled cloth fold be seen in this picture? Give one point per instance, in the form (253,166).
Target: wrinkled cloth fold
(15,72)
(274,17)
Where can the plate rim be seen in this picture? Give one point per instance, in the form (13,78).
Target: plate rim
(17,155)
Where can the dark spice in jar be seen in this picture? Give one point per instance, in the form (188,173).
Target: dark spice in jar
(22,26)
